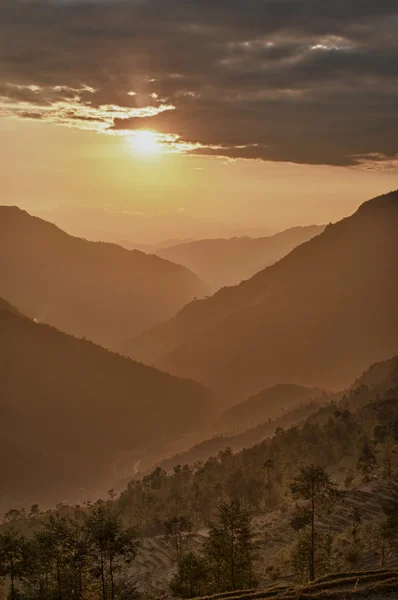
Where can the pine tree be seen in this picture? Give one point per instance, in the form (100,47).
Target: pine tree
(12,546)
(111,548)
(178,533)
(390,530)
(229,549)
(191,577)
(314,485)
(367,461)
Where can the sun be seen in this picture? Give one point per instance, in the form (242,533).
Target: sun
(145,142)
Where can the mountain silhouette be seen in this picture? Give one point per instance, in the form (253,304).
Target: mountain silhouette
(73,410)
(267,404)
(223,262)
(92,289)
(317,317)
(383,380)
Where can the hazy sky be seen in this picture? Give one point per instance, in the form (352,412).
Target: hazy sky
(263,113)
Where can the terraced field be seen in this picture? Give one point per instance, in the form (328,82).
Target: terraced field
(362,585)
(154,565)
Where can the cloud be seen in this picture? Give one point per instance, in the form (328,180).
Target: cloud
(306,81)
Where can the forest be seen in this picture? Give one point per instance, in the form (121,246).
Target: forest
(306,472)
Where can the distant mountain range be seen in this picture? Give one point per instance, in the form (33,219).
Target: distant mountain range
(92,289)
(317,317)
(383,380)
(152,248)
(71,413)
(266,405)
(223,262)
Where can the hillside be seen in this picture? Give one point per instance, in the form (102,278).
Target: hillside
(223,262)
(4,305)
(92,289)
(315,318)
(330,438)
(385,371)
(333,438)
(265,405)
(72,412)
(382,383)
(212,446)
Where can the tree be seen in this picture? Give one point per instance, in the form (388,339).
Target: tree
(111,548)
(314,485)
(302,554)
(356,521)
(191,577)
(353,555)
(328,505)
(13,515)
(39,580)
(56,561)
(229,549)
(12,546)
(178,533)
(300,519)
(269,466)
(34,511)
(375,536)
(54,541)
(391,523)
(367,461)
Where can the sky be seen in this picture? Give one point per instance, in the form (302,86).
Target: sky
(153,119)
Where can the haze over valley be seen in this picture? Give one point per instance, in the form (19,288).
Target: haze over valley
(198,300)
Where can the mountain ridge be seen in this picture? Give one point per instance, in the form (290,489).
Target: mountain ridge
(93,289)
(106,403)
(227,261)
(320,294)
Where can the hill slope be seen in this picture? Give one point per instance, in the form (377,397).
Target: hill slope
(317,317)
(71,411)
(265,405)
(223,262)
(92,289)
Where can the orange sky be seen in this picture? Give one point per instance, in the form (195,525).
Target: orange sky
(270,113)
(55,172)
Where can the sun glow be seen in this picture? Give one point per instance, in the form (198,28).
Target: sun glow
(145,142)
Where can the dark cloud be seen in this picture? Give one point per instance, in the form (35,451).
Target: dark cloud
(293,80)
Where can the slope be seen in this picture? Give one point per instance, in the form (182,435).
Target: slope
(71,410)
(383,383)
(222,262)
(265,405)
(92,289)
(317,317)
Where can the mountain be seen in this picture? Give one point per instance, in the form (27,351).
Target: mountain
(246,439)
(315,318)
(223,262)
(92,289)
(383,374)
(382,384)
(265,405)
(71,411)
(4,305)
(152,248)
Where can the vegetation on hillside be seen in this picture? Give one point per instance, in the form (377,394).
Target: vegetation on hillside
(296,471)
(105,402)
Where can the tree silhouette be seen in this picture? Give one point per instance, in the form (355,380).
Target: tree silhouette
(314,485)
(229,548)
